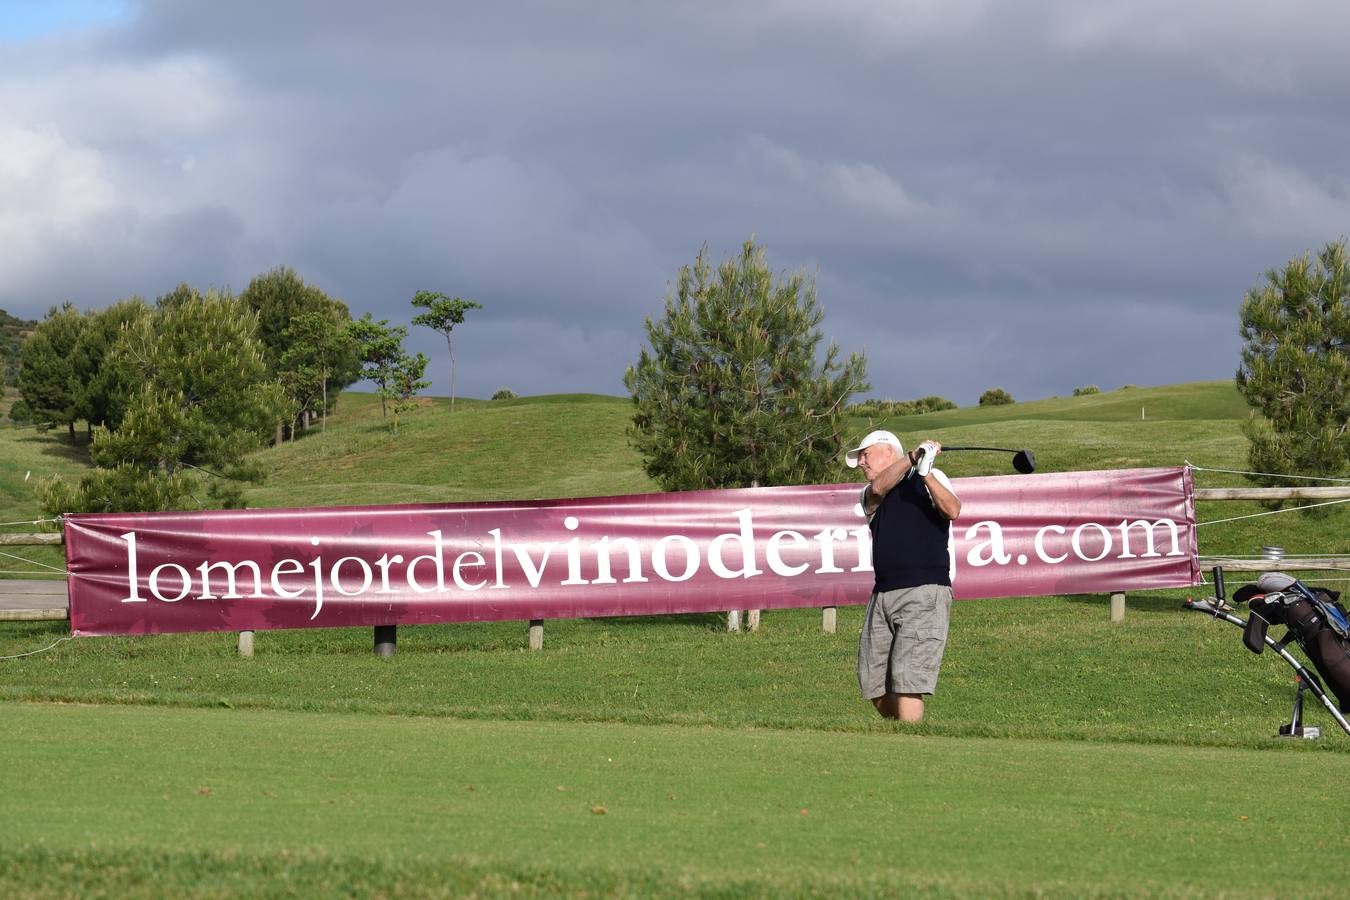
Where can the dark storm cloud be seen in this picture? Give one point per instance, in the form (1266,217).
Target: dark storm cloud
(1034,196)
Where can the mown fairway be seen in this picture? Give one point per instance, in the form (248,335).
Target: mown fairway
(1064,755)
(186,799)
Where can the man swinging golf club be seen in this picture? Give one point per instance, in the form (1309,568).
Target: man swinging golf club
(909,506)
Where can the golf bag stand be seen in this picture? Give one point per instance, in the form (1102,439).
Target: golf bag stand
(1296,728)
(1314,619)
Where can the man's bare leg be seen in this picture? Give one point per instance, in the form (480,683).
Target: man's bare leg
(905,707)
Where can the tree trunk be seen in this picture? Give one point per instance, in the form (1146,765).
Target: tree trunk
(280,436)
(324,427)
(451,347)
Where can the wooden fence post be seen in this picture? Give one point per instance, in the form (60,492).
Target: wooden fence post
(246,644)
(536,634)
(828,619)
(752,615)
(1118,606)
(733,620)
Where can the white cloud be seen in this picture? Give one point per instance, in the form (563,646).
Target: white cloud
(49,190)
(1014,164)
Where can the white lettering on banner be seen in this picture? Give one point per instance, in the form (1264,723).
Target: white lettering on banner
(672,558)
(230,569)
(603,575)
(737,553)
(826,541)
(1076,542)
(436,558)
(747,538)
(133,577)
(573,554)
(182,573)
(317,564)
(367,576)
(994,545)
(659,565)
(286,567)
(383,563)
(775,558)
(1039,543)
(1148,527)
(990,546)
(459,579)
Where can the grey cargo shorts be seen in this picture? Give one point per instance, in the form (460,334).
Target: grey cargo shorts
(903,636)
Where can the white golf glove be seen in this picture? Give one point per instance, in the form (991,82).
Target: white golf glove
(927,453)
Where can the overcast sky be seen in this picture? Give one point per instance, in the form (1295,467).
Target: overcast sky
(1032,195)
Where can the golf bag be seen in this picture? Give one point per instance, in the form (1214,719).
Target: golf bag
(1315,619)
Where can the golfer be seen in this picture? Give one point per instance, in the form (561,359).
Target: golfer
(909,506)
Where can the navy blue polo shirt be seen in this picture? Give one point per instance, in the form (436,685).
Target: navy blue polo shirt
(911,539)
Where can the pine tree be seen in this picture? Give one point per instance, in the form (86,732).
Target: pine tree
(48,381)
(202,401)
(103,397)
(1296,367)
(732,392)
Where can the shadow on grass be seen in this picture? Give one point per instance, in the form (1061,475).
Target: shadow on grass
(706,621)
(1139,602)
(53,444)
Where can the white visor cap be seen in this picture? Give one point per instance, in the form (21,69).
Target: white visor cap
(876,437)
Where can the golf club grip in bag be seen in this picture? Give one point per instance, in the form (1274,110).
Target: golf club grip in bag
(1309,622)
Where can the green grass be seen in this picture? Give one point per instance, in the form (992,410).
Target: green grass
(562,446)
(1041,668)
(613,808)
(1063,755)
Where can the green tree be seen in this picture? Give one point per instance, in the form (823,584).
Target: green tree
(380,349)
(1295,367)
(995,397)
(184,293)
(12,333)
(443,314)
(732,390)
(280,297)
(405,382)
(48,382)
(277,297)
(103,397)
(320,352)
(203,400)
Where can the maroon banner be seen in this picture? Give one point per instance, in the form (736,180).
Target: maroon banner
(646,554)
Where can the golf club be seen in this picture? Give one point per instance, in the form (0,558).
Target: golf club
(1023,461)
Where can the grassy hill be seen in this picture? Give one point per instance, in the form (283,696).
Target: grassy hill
(12,332)
(575,445)
(570,445)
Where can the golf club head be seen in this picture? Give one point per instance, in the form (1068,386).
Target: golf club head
(1024,461)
